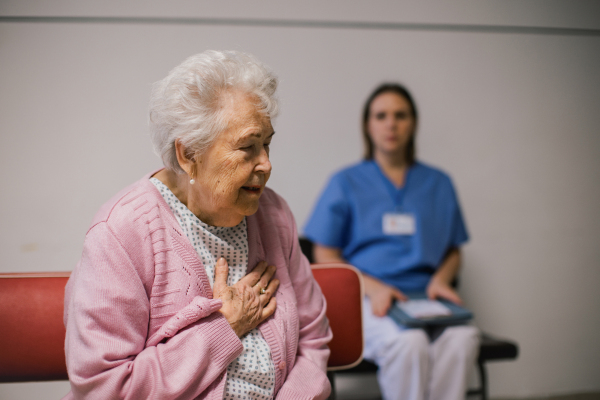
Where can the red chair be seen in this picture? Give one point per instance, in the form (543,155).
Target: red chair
(341,285)
(32,334)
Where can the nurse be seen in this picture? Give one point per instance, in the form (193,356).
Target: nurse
(399,221)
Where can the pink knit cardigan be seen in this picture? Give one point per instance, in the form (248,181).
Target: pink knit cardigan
(140,316)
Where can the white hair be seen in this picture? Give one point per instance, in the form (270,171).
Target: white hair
(185,104)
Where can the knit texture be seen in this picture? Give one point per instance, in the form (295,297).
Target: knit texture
(251,376)
(142,322)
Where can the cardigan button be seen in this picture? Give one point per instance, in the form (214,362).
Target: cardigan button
(282,365)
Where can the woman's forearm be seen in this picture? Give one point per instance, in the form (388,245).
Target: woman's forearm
(449,267)
(372,285)
(314,335)
(327,254)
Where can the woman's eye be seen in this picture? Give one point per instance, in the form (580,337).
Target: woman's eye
(401,115)
(380,116)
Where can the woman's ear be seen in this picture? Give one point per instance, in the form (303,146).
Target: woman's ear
(187,163)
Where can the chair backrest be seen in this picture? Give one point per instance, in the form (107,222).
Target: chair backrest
(342,287)
(32,334)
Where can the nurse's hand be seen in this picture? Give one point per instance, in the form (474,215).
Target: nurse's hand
(437,289)
(381,295)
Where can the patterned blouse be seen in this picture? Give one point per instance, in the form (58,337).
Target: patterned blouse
(251,376)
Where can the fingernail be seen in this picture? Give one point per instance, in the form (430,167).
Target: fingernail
(221,261)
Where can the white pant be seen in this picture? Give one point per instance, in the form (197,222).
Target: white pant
(412,366)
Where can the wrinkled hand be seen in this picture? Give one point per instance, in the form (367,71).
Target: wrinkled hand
(244,306)
(438,289)
(381,295)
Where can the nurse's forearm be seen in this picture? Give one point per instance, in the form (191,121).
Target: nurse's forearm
(327,254)
(449,267)
(374,286)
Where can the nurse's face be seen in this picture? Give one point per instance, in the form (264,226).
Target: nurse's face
(391,124)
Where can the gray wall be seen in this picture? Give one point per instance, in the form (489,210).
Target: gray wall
(508,94)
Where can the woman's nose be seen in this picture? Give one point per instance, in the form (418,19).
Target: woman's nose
(391,122)
(264,164)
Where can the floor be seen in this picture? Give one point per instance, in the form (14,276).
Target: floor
(348,389)
(578,396)
(366,388)
(355,387)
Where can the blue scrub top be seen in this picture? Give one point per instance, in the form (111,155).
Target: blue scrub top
(349,216)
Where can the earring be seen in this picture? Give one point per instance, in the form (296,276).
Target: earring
(192,180)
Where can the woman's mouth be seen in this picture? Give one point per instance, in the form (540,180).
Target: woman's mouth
(251,189)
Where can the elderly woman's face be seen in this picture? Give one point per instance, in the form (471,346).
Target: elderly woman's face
(233,172)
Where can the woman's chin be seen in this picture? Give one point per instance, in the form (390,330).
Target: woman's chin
(251,208)
(247,204)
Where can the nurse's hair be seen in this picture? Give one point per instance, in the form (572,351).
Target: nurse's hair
(187,104)
(402,92)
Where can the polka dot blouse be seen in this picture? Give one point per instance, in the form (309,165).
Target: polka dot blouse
(252,374)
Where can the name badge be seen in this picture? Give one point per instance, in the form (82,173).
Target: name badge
(399,224)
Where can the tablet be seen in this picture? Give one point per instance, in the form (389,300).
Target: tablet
(419,311)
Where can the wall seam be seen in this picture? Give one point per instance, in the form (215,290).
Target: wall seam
(288,23)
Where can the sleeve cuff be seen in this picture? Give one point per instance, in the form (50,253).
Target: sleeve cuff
(200,307)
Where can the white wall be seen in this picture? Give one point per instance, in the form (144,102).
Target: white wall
(512,116)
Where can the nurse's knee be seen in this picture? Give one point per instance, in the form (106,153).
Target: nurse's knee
(463,342)
(467,336)
(409,349)
(412,342)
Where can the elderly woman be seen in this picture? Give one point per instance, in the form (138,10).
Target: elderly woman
(192,283)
